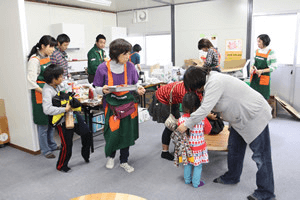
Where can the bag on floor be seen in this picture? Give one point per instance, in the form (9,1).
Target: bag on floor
(216,125)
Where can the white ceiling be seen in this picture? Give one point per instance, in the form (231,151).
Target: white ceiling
(118,5)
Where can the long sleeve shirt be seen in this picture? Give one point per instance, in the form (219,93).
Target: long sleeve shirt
(243,107)
(212,58)
(48,93)
(34,70)
(60,58)
(163,93)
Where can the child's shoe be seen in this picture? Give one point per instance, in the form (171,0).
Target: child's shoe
(201,183)
(110,163)
(127,167)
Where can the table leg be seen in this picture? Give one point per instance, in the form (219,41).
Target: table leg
(91,130)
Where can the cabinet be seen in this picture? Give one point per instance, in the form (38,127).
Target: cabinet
(74,31)
(112,33)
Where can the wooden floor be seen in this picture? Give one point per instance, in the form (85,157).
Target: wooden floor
(218,142)
(108,196)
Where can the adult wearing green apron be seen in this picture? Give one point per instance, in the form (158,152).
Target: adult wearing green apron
(264,64)
(120,130)
(38,60)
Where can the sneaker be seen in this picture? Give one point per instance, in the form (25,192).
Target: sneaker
(50,155)
(127,167)
(167,155)
(201,183)
(110,163)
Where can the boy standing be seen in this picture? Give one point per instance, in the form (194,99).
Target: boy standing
(96,56)
(59,56)
(53,88)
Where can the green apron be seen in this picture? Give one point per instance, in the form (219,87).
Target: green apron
(39,117)
(122,133)
(261,84)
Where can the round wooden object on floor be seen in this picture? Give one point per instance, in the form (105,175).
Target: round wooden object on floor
(108,196)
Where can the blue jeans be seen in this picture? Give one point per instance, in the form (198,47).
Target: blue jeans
(196,174)
(261,155)
(46,139)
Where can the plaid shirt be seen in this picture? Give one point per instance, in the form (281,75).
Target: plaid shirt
(60,58)
(163,93)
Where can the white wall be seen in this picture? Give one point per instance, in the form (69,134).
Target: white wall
(275,6)
(159,21)
(225,19)
(39,17)
(13,74)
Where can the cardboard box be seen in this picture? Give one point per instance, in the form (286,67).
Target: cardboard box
(190,62)
(4,132)
(2,108)
(234,65)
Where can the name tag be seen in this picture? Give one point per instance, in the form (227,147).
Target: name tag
(93,59)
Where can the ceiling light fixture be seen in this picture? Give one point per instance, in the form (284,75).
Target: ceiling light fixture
(99,2)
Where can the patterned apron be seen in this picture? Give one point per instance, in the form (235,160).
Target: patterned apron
(39,117)
(262,83)
(119,133)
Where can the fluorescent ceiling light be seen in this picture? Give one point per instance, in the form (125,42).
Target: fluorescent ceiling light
(99,2)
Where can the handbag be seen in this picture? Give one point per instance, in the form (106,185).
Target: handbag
(216,125)
(124,110)
(171,121)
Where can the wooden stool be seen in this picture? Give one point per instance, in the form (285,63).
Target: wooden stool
(218,142)
(273,103)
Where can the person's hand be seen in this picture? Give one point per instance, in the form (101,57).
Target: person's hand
(141,90)
(252,69)
(105,89)
(259,72)
(68,107)
(181,128)
(40,90)
(212,116)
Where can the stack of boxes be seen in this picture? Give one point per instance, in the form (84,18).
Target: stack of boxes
(100,118)
(4,132)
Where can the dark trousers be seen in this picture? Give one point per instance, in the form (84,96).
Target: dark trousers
(124,154)
(261,155)
(66,136)
(91,78)
(166,136)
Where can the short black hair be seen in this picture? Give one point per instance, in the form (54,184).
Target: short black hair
(265,39)
(136,48)
(190,102)
(52,72)
(63,38)
(100,36)
(118,47)
(195,77)
(204,43)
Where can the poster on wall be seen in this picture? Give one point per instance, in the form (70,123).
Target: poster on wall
(233,50)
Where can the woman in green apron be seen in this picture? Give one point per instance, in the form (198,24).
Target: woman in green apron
(38,60)
(264,64)
(120,132)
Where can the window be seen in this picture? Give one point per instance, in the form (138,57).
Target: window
(158,49)
(282,32)
(141,41)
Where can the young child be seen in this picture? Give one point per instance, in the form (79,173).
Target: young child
(53,88)
(59,56)
(197,143)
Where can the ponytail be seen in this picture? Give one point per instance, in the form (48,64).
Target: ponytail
(45,40)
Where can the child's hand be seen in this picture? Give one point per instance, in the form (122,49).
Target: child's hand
(141,90)
(68,107)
